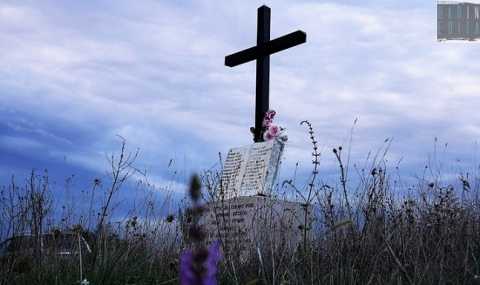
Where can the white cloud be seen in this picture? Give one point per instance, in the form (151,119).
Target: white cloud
(153,72)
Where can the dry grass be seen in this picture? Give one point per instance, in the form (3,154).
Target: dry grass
(363,234)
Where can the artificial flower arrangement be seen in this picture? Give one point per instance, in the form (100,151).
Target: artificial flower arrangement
(271,131)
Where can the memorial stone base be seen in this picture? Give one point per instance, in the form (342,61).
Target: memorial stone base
(247,224)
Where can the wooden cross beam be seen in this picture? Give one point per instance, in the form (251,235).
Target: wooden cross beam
(261,53)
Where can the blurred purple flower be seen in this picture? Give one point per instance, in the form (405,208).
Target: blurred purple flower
(214,257)
(187,273)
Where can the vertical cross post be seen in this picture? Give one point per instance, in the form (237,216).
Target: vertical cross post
(263,71)
(261,53)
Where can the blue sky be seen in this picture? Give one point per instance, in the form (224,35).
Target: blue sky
(75,74)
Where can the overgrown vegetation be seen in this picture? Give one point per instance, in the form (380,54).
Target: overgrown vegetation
(377,231)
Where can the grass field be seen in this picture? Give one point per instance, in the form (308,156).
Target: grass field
(362,234)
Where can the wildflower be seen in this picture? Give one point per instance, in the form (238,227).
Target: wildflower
(198,268)
(195,188)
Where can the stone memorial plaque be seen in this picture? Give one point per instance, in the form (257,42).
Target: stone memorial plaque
(244,215)
(243,224)
(251,170)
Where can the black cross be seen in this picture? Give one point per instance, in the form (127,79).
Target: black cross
(261,52)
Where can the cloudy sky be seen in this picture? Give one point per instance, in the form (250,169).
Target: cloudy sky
(75,74)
